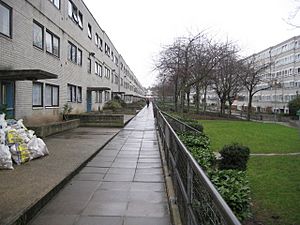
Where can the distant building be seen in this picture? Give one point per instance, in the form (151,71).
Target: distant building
(54,52)
(283,75)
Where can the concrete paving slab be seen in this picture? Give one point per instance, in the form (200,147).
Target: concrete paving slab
(30,183)
(132,189)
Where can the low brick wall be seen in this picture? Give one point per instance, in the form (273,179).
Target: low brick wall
(45,130)
(99,120)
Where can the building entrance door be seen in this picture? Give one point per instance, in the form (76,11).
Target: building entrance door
(88,101)
(7,98)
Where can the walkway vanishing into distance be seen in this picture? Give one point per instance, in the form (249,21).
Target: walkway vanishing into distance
(122,185)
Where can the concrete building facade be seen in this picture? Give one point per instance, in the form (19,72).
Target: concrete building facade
(281,79)
(54,52)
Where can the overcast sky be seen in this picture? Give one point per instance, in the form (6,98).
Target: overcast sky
(139,28)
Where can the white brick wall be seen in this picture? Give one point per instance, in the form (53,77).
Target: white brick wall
(19,53)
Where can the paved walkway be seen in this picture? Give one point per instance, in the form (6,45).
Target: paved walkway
(122,185)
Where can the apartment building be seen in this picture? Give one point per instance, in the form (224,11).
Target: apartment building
(281,78)
(54,52)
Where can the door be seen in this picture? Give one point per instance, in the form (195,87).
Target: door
(7,99)
(88,101)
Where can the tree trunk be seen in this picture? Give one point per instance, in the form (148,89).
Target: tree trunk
(182,95)
(188,100)
(204,99)
(197,98)
(249,107)
(176,94)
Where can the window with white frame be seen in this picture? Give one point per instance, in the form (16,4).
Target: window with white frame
(37,94)
(5,19)
(51,95)
(56,3)
(71,93)
(38,35)
(52,43)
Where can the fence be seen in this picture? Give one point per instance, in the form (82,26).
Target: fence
(198,200)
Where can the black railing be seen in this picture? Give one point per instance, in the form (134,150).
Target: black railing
(198,200)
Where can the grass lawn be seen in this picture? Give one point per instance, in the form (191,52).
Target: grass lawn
(275,186)
(274,180)
(259,137)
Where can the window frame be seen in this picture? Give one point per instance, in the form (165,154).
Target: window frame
(70,47)
(79,57)
(52,43)
(10,19)
(52,96)
(89,30)
(79,94)
(53,3)
(73,97)
(42,94)
(43,34)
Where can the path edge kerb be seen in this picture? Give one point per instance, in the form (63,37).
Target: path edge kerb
(173,207)
(31,211)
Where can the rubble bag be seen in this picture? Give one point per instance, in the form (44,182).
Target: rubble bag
(2,136)
(20,153)
(5,158)
(37,148)
(13,137)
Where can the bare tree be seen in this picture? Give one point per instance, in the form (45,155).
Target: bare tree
(252,76)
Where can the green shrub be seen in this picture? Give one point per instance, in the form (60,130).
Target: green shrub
(234,187)
(234,156)
(199,147)
(112,105)
(195,124)
(294,106)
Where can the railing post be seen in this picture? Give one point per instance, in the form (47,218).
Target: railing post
(189,191)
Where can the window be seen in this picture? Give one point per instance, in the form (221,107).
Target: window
(79,57)
(79,94)
(52,43)
(107,49)
(107,73)
(38,35)
(80,20)
(89,66)
(90,31)
(37,94)
(96,39)
(75,14)
(5,19)
(72,52)
(98,69)
(71,93)
(98,97)
(106,96)
(51,95)
(56,3)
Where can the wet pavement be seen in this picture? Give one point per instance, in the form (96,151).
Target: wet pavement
(122,185)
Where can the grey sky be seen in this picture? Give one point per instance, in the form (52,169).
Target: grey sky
(139,28)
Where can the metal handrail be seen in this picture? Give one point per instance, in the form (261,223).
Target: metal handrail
(198,200)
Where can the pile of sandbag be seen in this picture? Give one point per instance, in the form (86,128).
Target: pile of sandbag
(18,144)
